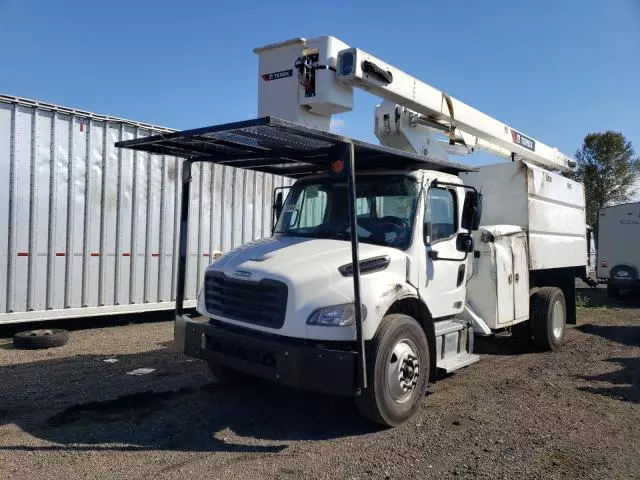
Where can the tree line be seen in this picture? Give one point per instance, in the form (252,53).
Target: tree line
(609,170)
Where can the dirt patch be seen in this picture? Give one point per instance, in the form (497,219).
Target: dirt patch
(517,413)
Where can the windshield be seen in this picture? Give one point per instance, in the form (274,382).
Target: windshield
(385,206)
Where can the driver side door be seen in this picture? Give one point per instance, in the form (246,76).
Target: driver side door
(443,282)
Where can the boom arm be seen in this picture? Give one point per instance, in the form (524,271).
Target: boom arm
(307,81)
(435,109)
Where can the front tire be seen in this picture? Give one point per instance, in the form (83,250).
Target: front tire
(548,318)
(397,372)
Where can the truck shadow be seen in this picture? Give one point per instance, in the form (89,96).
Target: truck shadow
(83,403)
(621,384)
(624,334)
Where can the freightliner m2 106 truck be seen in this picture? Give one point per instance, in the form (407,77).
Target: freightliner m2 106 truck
(385,261)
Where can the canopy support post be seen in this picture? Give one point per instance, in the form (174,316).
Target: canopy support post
(349,160)
(183,238)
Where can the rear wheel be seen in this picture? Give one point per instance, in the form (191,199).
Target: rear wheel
(397,371)
(548,318)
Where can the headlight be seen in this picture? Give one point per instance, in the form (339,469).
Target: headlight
(336,316)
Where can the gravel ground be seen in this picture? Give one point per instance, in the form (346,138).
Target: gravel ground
(66,413)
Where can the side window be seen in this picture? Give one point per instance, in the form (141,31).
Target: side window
(362,207)
(313,209)
(440,220)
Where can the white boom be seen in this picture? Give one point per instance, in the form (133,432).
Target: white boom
(325,70)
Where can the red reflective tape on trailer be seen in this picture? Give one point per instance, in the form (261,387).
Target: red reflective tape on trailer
(23,254)
(95,254)
(60,254)
(155,254)
(126,254)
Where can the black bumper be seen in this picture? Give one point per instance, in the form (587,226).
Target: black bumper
(276,358)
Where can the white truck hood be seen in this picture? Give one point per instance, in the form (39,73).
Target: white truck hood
(309,267)
(293,256)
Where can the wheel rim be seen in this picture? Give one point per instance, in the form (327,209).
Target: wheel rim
(557,319)
(40,333)
(403,370)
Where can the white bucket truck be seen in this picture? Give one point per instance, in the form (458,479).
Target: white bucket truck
(378,273)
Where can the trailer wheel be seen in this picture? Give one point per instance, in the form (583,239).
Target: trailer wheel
(397,371)
(39,339)
(548,318)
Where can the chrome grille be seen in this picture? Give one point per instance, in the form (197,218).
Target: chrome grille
(260,303)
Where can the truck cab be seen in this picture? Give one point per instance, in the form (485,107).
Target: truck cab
(296,288)
(405,222)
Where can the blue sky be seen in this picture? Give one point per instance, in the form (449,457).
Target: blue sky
(555,70)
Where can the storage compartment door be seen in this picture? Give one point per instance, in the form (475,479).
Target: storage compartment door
(520,277)
(482,290)
(504,276)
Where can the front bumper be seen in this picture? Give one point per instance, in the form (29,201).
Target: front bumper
(291,362)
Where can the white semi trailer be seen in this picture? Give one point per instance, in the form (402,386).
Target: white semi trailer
(379,271)
(88,230)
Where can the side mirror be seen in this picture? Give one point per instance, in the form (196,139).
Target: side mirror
(471,211)
(277,209)
(464,242)
(277,205)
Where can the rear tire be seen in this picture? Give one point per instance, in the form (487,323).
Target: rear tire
(397,371)
(548,318)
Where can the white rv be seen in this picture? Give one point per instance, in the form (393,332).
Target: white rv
(619,248)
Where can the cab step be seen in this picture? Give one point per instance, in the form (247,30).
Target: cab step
(459,361)
(454,345)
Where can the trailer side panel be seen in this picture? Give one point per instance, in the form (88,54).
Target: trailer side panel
(90,230)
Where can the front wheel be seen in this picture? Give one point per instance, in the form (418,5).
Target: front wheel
(397,371)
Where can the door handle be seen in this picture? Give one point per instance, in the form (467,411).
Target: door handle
(510,279)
